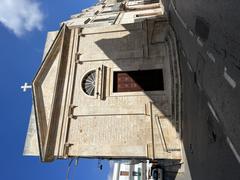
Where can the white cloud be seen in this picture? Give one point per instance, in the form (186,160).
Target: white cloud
(21,16)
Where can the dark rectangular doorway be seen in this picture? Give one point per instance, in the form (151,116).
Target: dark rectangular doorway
(142,80)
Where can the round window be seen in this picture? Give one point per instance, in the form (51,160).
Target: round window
(88,83)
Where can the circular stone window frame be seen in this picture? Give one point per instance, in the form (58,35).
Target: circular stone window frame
(83,79)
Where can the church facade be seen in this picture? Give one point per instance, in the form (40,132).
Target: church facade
(109,86)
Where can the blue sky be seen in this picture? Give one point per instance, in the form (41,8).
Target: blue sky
(23,28)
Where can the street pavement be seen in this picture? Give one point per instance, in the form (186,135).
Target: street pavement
(209,51)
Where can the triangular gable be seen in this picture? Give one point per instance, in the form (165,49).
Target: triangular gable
(45,87)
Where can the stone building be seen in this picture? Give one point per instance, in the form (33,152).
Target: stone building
(109,86)
(130,170)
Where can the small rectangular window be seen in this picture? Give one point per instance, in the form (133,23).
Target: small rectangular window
(96,12)
(100,20)
(135,173)
(107,19)
(124,173)
(87,20)
(106,11)
(142,80)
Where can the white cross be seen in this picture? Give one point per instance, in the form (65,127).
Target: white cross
(25,87)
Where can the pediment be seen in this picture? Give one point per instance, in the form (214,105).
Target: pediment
(45,86)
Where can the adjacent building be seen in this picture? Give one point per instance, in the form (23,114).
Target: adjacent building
(130,170)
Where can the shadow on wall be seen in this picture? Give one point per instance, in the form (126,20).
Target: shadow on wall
(146,76)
